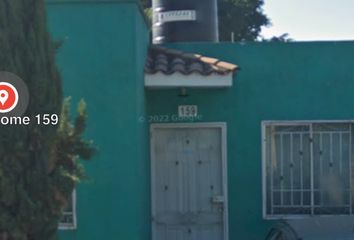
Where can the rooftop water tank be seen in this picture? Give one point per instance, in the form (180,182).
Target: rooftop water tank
(185,21)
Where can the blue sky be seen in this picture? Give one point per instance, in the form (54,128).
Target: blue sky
(307,20)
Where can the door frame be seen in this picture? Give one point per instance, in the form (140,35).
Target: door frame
(223,141)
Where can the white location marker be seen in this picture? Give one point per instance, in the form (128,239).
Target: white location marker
(4,95)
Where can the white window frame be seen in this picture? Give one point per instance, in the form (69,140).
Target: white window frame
(266,123)
(73,226)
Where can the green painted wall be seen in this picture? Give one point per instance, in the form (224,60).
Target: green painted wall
(102,61)
(278,81)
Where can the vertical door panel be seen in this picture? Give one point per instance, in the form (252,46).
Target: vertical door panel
(188,188)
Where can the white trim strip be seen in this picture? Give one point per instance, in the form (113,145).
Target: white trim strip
(175,80)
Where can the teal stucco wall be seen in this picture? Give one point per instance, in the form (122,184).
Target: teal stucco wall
(102,61)
(277,81)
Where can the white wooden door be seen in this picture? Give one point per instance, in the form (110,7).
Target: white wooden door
(188,191)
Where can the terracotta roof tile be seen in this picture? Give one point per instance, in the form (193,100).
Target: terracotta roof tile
(209,60)
(196,67)
(169,61)
(173,52)
(226,65)
(191,55)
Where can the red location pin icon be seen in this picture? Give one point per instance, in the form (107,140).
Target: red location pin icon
(4,95)
(8,97)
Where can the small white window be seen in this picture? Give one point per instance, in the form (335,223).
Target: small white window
(307,169)
(68,221)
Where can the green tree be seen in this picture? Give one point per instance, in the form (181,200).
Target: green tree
(282,38)
(39,165)
(243,18)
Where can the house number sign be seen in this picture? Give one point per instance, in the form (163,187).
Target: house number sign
(187,111)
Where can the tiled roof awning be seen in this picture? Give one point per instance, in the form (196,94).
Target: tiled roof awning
(173,68)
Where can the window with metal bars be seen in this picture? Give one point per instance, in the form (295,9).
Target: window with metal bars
(307,169)
(68,220)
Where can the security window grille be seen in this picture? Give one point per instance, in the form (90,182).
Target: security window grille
(68,220)
(308,169)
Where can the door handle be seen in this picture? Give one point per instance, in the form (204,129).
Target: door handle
(218,199)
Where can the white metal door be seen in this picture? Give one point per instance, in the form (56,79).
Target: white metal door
(188,182)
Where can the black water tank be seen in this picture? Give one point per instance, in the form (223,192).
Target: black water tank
(185,21)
